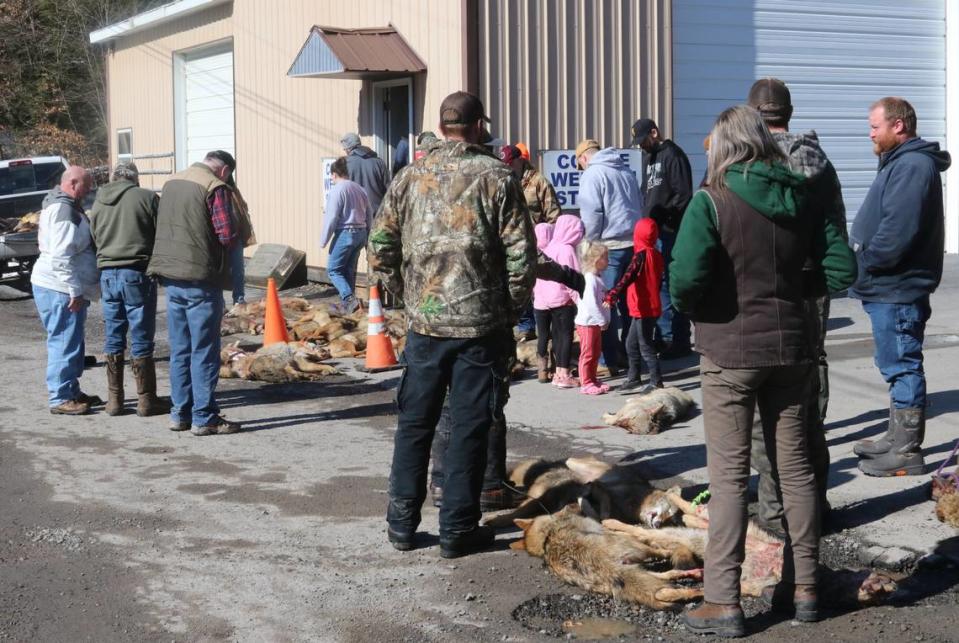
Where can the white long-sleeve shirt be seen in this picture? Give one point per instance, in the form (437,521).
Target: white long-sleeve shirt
(68,260)
(590,310)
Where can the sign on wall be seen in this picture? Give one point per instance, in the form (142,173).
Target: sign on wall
(327,178)
(559,168)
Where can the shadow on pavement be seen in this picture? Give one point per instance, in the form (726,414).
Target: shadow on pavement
(277,393)
(278,422)
(876,508)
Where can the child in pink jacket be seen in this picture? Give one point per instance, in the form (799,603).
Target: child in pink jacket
(554,305)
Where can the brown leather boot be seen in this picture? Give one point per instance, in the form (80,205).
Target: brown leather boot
(542,370)
(800,600)
(114,384)
(722,620)
(144,370)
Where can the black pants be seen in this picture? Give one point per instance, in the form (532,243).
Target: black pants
(495,474)
(470,370)
(640,348)
(558,324)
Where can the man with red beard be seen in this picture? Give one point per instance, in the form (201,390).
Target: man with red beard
(898,237)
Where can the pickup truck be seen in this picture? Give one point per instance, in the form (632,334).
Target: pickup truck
(24,183)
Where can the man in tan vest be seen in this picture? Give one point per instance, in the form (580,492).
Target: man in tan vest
(191,256)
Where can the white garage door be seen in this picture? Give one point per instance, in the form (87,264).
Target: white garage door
(206,106)
(836,57)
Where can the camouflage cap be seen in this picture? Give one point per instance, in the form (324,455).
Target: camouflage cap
(126,170)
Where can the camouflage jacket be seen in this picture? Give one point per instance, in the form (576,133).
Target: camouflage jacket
(805,156)
(454,240)
(540,196)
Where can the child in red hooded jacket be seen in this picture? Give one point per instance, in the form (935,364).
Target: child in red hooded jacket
(641,281)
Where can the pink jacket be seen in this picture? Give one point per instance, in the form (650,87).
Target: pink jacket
(567,233)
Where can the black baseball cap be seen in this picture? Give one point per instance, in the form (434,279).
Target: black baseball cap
(462,108)
(641,129)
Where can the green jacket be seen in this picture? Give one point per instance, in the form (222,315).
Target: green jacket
(123,223)
(453,238)
(775,192)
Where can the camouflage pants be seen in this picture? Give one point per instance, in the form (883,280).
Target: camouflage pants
(770,511)
(495,472)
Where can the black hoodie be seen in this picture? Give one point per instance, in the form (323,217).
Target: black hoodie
(899,232)
(369,170)
(668,186)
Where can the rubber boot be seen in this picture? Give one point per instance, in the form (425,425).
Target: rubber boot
(904,458)
(876,448)
(114,384)
(542,369)
(144,370)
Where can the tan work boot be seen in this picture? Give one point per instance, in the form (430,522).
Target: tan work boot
(114,384)
(71,407)
(144,370)
(542,370)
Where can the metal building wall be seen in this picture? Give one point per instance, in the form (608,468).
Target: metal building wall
(552,72)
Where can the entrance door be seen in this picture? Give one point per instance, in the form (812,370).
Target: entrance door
(393,118)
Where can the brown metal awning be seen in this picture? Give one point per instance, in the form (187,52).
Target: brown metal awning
(378,52)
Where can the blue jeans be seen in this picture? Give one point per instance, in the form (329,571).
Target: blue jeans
(614,337)
(673,326)
(527,321)
(898,331)
(194,312)
(238,273)
(129,303)
(344,254)
(64,344)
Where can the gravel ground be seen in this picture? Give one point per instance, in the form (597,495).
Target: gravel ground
(115,529)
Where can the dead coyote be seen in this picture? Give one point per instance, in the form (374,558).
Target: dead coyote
(602,491)
(652,412)
(281,362)
(764,558)
(582,553)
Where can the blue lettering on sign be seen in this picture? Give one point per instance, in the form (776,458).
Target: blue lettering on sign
(572,198)
(574,180)
(566,161)
(559,179)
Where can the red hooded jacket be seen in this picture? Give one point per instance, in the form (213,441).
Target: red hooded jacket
(644,274)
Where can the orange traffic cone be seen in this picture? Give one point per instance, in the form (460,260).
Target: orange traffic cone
(274,330)
(379,348)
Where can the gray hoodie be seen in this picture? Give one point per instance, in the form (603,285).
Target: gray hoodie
(610,202)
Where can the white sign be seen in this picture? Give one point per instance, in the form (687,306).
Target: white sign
(559,168)
(327,179)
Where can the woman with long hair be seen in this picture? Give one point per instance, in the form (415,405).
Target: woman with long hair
(737,271)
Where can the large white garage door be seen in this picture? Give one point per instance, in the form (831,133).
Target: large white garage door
(837,57)
(205,105)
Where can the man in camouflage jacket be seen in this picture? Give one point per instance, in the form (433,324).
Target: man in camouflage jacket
(454,239)
(540,195)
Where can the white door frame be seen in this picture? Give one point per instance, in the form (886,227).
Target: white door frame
(379,144)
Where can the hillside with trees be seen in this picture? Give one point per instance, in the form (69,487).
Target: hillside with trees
(52,81)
